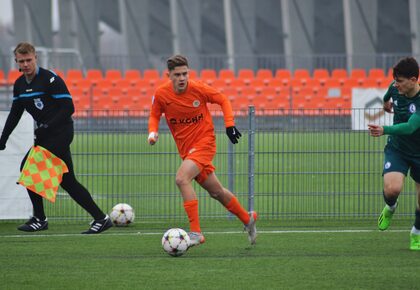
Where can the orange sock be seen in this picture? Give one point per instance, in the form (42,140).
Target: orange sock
(236,208)
(191,208)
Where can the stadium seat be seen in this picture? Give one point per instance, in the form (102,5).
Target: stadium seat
(301,73)
(257,83)
(268,93)
(265,75)
(140,84)
(3,80)
(235,82)
(94,75)
(226,74)
(84,84)
(113,75)
(376,73)
(81,102)
(192,74)
(132,75)
(279,82)
(208,76)
(370,83)
(12,76)
(322,75)
(246,75)
(358,73)
(74,74)
(103,83)
(333,83)
(219,84)
(352,82)
(340,75)
(283,74)
(151,74)
(124,84)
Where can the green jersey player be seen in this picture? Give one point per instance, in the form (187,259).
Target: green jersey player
(402,151)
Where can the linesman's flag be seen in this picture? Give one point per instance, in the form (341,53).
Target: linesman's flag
(42,172)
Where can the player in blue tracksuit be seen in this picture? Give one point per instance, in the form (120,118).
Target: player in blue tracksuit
(45,96)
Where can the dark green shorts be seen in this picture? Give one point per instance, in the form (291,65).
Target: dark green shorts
(396,161)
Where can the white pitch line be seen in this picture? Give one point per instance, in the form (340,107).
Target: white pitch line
(206,233)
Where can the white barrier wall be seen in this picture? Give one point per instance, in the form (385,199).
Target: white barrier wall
(367,108)
(14,199)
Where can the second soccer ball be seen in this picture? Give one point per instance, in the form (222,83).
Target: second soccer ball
(122,214)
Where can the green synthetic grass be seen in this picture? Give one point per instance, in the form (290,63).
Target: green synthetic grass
(297,174)
(305,254)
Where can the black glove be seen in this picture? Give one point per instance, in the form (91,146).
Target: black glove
(41,132)
(233,134)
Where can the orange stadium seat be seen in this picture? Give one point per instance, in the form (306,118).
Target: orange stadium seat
(283,74)
(151,74)
(124,84)
(208,75)
(3,80)
(358,73)
(322,75)
(370,83)
(103,83)
(340,75)
(301,73)
(74,74)
(333,83)
(94,75)
(246,75)
(279,82)
(113,75)
(84,84)
(265,75)
(376,73)
(132,74)
(192,74)
(226,74)
(268,93)
(12,76)
(219,84)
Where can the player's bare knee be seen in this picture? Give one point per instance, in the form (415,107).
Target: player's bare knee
(181,181)
(392,190)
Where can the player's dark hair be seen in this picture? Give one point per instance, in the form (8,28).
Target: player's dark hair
(24,48)
(406,68)
(176,60)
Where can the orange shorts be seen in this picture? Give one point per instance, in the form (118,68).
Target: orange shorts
(203,158)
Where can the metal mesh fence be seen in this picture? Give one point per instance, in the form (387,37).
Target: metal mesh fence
(298,164)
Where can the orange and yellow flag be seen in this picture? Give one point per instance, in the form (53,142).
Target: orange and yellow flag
(42,172)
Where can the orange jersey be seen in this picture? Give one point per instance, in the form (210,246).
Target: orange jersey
(187,114)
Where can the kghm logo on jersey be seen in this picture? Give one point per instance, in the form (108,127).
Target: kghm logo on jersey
(38,103)
(196,103)
(186,121)
(412,108)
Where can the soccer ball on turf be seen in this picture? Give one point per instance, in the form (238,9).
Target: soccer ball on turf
(175,242)
(122,215)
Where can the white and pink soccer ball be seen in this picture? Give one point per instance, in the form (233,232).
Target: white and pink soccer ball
(122,215)
(175,242)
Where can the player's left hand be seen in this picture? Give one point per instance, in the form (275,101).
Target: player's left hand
(233,134)
(375,130)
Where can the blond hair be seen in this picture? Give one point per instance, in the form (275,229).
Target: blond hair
(24,48)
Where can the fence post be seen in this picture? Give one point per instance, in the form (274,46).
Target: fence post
(251,157)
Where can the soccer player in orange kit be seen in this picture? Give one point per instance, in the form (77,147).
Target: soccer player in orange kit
(183,102)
